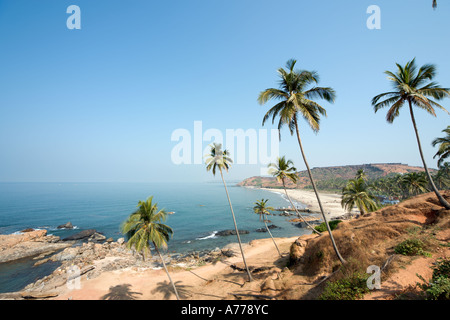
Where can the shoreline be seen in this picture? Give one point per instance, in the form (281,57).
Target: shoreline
(331,202)
(207,277)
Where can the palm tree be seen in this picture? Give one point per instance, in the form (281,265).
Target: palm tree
(414,183)
(441,178)
(296,101)
(219,159)
(413,87)
(145,227)
(361,174)
(284,170)
(444,147)
(357,193)
(262,209)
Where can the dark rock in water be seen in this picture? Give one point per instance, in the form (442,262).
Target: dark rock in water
(27,230)
(68,225)
(231,232)
(272,226)
(81,235)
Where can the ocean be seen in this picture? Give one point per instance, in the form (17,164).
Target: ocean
(200,211)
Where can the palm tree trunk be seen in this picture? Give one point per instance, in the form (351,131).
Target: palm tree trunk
(440,197)
(317,194)
(167,271)
(268,230)
(298,213)
(236,228)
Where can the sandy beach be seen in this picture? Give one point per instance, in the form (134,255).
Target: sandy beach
(213,281)
(330,202)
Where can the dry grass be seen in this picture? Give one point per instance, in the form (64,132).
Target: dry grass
(371,239)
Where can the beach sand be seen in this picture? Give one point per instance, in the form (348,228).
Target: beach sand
(330,202)
(208,282)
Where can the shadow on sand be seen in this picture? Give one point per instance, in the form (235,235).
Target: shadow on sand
(121,292)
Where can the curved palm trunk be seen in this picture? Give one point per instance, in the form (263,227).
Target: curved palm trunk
(167,271)
(440,197)
(236,228)
(317,194)
(268,230)
(298,213)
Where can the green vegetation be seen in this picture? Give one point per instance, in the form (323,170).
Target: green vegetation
(358,193)
(411,247)
(322,227)
(219,159)
(438,288)
(295,99)
(352,287)
(145,227)
(401,187)
(414,88)
(444,147)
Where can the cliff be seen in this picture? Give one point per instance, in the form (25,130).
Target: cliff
(333,176)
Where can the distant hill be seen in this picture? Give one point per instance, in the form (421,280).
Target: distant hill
(332,178)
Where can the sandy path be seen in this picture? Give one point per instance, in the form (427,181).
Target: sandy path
(211,281)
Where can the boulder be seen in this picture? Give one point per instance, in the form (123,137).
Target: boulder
(68,225)
(272,226)
(81,235)
(231,232)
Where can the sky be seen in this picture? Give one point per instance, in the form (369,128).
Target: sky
(101,103)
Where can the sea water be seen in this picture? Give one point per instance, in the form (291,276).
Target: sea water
(200,210)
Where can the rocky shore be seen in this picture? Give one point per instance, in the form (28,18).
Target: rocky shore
(87,254)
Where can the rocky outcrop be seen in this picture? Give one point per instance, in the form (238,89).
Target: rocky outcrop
(28,244)
(89,234)
(68,225)
(225,233)
(272,226)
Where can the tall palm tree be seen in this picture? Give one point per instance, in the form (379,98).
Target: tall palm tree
(218,159)
(263,210)
(357,193)
(295,101)
(444,147)
(145,227)
(414,87)
(284,170)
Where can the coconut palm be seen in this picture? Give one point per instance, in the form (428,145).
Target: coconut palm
(415,88)
(361,174)
(263,210)
(442,177)
(144,227)
(444,147)
(414,183)
(295,94)
(284,171)
(218,159)
(357,193)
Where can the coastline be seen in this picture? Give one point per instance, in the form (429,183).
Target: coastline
(331,202)
(209,281)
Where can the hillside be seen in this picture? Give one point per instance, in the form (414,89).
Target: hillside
(332,177)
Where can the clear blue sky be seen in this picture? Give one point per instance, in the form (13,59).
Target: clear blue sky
(100,103)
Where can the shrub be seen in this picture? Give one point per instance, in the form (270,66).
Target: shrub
(322,227)
(411,247)
(439,286)
(352,287)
